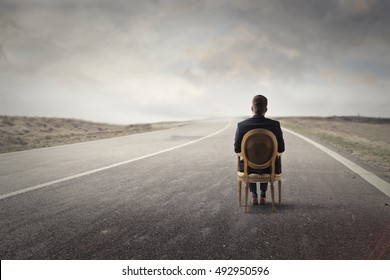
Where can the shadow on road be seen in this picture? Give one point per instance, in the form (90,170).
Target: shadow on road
(283,208)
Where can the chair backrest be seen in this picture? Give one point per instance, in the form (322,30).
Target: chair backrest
(259,149)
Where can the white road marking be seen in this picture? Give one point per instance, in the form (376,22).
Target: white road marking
(374,180)
(109,166)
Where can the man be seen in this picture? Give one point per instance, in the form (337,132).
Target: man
(258,120)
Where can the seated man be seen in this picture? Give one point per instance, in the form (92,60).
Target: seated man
(259,108)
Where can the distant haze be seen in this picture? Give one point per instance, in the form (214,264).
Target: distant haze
(127,61)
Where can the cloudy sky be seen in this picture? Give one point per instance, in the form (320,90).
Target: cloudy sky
(127,61)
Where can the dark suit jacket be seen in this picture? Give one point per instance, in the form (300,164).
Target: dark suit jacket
(258,121)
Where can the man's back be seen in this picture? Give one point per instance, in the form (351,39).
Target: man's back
(258,121)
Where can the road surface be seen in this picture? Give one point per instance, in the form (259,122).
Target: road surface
(172,194)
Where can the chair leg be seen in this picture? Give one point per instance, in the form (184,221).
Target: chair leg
(239,191)
(280,191)
(273,196)
(246,197)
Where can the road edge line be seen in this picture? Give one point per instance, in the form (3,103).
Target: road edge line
(371,178)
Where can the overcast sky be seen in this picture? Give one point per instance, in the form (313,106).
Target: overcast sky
(124,61)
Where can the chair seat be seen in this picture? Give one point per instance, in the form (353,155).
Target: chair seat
(254,176)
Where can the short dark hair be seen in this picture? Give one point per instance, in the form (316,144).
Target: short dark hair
(259,104)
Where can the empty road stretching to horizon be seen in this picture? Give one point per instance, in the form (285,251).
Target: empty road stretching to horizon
(172,194)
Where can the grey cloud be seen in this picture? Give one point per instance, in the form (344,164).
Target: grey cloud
(301,36)
(218,50)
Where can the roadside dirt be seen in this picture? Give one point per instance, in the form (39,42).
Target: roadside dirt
(23,133)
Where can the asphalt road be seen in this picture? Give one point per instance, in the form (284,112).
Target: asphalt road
(182,203)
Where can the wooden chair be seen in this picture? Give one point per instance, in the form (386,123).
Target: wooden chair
(259,149)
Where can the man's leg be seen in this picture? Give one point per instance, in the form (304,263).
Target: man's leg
(253,190)
(263,189)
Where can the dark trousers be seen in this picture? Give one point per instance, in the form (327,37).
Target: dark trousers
(263,186)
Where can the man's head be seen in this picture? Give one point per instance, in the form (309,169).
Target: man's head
(259,105)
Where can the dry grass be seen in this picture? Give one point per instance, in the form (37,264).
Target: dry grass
(365,138)
(23,133)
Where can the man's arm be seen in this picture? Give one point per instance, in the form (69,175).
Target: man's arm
(280,139)
(237,141)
